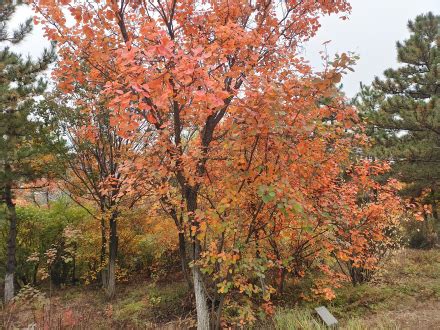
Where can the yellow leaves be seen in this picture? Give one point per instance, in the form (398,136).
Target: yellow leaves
(343,256)
(224,287)
(326,293)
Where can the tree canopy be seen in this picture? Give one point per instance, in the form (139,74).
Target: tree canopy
(403,111)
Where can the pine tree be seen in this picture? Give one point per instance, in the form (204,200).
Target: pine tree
(25,140)
(403,112)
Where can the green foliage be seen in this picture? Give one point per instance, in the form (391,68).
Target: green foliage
(18,34)
(152,302)
(403,111)
(27,145)
(421,234)
(40,229)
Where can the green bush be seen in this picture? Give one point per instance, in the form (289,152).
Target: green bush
(40,229)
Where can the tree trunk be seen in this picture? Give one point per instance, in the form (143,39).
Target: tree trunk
(203,319)
(184,260)
(218,316)
(435,211)
(12,241)
(200,294)
(113,251)
(282,280)
(104,269)
(34,275)
(75,247)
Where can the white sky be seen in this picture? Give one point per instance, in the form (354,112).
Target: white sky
(371,31)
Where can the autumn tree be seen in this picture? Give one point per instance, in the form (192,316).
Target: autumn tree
(25,139)
(229,105)
(100,166)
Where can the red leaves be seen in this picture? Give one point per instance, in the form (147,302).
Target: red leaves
(151,119)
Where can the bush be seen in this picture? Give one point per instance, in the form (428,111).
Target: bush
(422,234)
(41,230)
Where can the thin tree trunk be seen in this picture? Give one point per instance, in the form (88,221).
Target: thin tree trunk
(75,247)
(184,260)
(203,319)
(34,275)
(218,318)
(200,294)
(113,252)
(435,212)
(12,241)
(282,280)
(47,198)
(104,270)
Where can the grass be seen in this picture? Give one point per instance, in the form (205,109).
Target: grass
(405,294)
(153,302)
(287,319)
(408,277)
(401,295)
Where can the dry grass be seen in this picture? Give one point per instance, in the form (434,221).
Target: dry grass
(406,292)
(137,306)
(405,295)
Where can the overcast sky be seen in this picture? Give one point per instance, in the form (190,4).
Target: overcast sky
(371,31)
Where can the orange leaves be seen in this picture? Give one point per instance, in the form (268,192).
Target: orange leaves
(88,32)
(326,293)
(109,14)
(343,256)
(369,218)
(151,119)
(76,12)
(165,48)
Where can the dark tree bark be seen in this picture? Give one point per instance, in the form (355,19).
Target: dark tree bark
(103,253)
(113,252)
(12,240)
(184,259)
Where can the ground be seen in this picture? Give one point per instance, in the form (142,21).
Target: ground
(404,295)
